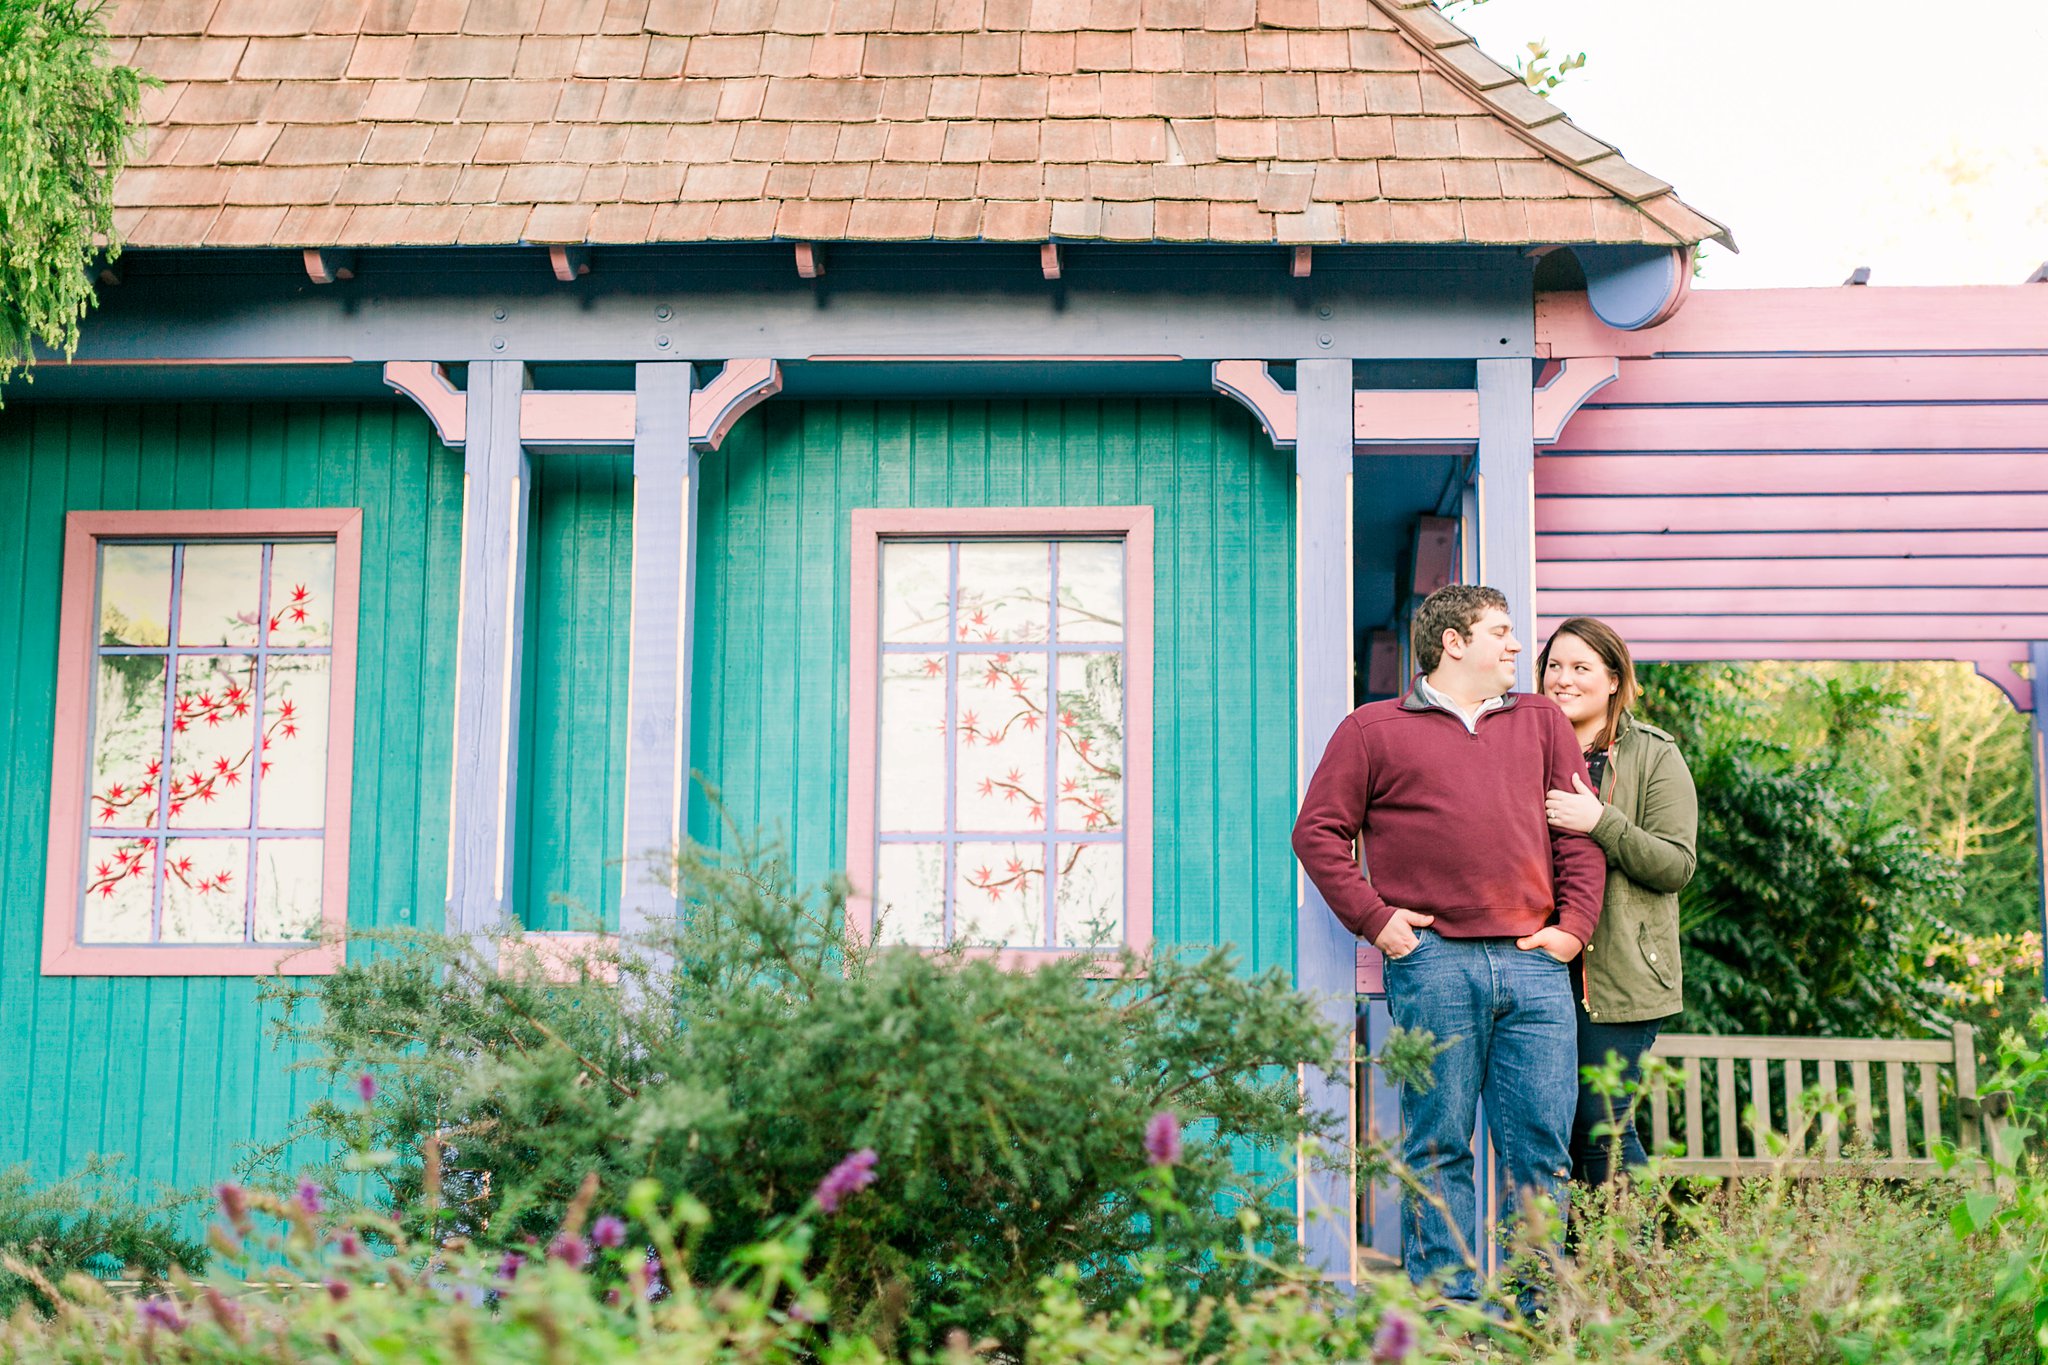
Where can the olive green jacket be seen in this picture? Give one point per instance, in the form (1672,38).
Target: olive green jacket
(1648,832)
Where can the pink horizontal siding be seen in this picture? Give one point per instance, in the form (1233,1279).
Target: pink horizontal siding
(1807,474)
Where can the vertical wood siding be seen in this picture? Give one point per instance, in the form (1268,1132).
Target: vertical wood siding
(769,724)
(572,783)
(1808,474)
(176,1073)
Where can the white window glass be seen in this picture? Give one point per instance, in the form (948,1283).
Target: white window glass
(1000,747)
(208,743)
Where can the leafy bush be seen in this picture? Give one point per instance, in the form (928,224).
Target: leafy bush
(91,1221)
(746,1050)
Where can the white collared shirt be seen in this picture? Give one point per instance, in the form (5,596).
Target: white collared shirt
(1438,699)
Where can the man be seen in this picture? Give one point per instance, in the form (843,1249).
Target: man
(1475,901)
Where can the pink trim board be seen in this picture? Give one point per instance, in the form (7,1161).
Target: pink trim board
(870,528)
(63,955)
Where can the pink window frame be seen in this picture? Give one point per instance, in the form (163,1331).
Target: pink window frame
(1131,525)
(63,954)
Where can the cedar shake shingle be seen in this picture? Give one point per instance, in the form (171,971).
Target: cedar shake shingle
(367,122)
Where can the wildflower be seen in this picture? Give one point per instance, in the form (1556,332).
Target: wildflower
(337,1290)
(309,1198)
(155,1313)
(348,1244)
(608,1232)
(508,1266)
(1162,1139)
(234,1202)
(366,1086)
(571,1250)
(855,1173)
(228,1314)
(1395,1340)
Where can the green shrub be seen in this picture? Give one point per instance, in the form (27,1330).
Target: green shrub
(91,1221)
(749,1048)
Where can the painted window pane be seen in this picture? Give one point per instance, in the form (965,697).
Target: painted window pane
(120,888)
(1000,755)
(301,594)
(1091,592)
(910,894)
(1088,895)
(135,594)
(218,601)
(213,741)
(912,749)
(1091,741)
(999,896)
(1003,591)
(127,740)
(204,897)
(914,592)
(288,888)
(293,744)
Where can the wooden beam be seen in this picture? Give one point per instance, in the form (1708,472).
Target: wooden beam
(485,796)
(570,263)
(325,265)
(1326,952)
(737,389)
(658,701)
(1507,496)
(427,384)
(1302,261)
(810,260)
(1049,260)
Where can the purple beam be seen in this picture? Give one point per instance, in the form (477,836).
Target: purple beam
(1326,952)
(2037,653)
(497,494)
(1507,495)
(658,701)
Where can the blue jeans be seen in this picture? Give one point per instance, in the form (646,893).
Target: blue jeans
(1507,1016)
(1593,1156)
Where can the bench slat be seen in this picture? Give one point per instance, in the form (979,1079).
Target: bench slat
(1695,1126)
(1859,1087)
(1830,1114)
(1760,1105)
(1725,1090)
(1795,1135)
(1897,1117)
(1930,1110)
(1809,1049)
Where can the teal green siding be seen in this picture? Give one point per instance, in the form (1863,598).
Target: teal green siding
(570,841)
(769,710)
(176,1072)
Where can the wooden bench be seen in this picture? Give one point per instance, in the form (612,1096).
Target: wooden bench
(1895,1124)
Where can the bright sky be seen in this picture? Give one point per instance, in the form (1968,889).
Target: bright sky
(1827,134)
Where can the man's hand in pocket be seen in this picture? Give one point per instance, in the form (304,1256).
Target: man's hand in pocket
(1398,939)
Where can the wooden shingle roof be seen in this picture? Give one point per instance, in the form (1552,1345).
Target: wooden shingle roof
(433,122)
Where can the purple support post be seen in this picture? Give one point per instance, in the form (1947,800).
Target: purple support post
(658,704)
(1326,952)
(496,495)
(2037,654)
(1507,495)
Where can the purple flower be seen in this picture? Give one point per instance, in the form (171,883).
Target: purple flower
(608,1232)
(234,1202)
(571,1250)
(508,1266)
(855,1173)
(1162,1139)
(337,1290)
(155,1313)
(348,1244)
(366,1086)
(1395,1340)
(309,1198)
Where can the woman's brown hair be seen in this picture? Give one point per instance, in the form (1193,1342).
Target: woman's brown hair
(1601,638)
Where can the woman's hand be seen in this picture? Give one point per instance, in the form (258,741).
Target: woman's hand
(1577,811)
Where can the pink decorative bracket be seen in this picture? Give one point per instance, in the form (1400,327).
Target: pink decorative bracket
(426,383)
(1251,383)
(739,388)
(1576,380)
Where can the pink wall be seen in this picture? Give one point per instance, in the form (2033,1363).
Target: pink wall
(1840,473)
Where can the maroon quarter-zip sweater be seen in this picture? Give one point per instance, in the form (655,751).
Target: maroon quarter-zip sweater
(1453,821)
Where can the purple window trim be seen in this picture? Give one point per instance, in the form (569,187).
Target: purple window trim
(160,831)
(1052,838)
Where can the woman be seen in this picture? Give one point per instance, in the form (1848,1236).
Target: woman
(1642,810)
